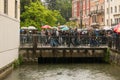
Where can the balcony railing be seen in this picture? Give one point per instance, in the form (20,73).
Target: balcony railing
(100,11)
(97,12)
(95,25)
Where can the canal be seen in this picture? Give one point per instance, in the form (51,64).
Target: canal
(81,71)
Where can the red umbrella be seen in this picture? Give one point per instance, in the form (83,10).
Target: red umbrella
(117,28)
(46,26)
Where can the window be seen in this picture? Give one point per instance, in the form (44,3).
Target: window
(115,8)
(111,21)
(16,8)
(93,19)
(6,6)
(111,10)
(115,21)
(102,19)
(101,7)
(107,11)
(119,8)
(107,21)
(87,12)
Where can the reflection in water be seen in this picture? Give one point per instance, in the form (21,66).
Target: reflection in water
(66,72)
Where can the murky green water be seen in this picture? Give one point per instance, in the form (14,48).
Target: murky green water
(66,72)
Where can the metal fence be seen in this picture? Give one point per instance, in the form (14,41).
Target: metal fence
(36,40)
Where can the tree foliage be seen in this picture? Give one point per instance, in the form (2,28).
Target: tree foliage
(51,4)
(25,3)
(36,14)
(71,24)
(64,6)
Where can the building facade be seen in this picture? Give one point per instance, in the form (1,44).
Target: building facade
(9,31)
(86,12)
(112,12)
(76,11)
(80,11)
(97,13)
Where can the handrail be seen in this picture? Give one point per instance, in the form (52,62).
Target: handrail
(36,40)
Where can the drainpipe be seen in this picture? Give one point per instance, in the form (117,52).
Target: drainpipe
(109,13)
(81,12)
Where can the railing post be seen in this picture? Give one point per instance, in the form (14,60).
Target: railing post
(34,43)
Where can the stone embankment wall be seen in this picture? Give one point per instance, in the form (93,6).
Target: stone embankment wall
(30,56)
(115,57)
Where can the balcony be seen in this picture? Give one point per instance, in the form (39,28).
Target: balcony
(96,12)
(100,11)
(73,19)
(95,24)
(117,14)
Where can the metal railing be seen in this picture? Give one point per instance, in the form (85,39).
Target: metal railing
(36,40)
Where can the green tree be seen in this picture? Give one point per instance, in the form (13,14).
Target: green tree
(37,15)
(64,6)
(71,24)
(24,3)
(51,4)
(59,18)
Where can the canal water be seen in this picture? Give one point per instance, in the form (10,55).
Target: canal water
(66,72)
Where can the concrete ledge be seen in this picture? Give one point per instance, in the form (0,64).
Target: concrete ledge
(7,16)
(6,71)
(113,50)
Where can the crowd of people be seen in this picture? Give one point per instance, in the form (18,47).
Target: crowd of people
(71,37)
